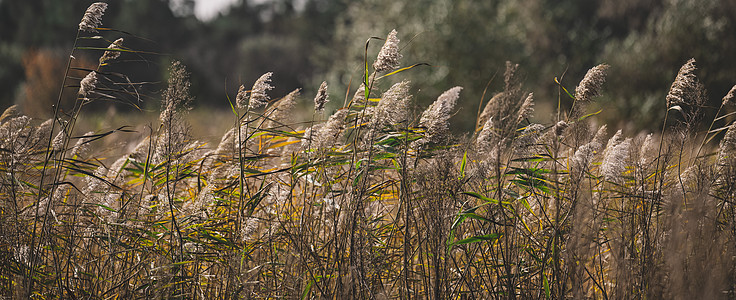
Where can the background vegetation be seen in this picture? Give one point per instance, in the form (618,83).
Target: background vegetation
(468,42)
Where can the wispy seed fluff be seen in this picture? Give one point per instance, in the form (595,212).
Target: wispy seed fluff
(241,100)
(729,97)
(648,151)
(93,17)
(389,56)
(321,99)
(614,159)
(527,140)
(359,96)
(526,109)
(727,148)
(10,113)
(591,84)
(684,83)
(585,153)
(81,148)
(280,113)
(329,133)
(258,96)
(436,117)
(560,128)
(113,53)
(486,136)
(393,106)
(177,93)
(88,84)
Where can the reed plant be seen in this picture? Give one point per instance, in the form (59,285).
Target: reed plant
(373,201)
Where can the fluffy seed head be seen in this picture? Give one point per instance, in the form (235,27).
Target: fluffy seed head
(241,100)
(9,113)
(614,140)
(526,109)
(81,148)
(93,17)
(280,112)
(88,84)
(527,140)
(43,132)
(584,154)
(258,95)
(113,53)
(392,108)
(177,94)
(727,147)
(321,99)
(560,128)
(389,56)
(729,97)
(437,115)
(329,133)
(683,85)
(58,142)
(614,159)
(489,110)
(359,96)
(647,153)
(591,84)
(486,136)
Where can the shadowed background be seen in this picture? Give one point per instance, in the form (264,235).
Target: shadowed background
(466,43)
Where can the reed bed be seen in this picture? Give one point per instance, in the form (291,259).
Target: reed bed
(371,202)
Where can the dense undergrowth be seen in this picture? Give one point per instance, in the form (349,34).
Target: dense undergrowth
(372,202)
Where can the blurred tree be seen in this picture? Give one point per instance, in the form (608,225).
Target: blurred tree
(466,42)
(644,62)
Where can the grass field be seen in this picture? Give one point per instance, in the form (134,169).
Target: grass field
(374,201)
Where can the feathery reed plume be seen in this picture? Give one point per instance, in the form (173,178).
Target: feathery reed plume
(614,158)
(113,53)
(591,84)
(436,117)
(560,128)
(227,143)
(729,96)
(58,142)
(81,148)
(510,78)
(258,96)
(177,93)
(393,106)
(389,56)
(525,142)
(241,100)
(280,112)
(613,141)
(359,96)
(330,132)
(140,152)
(585,153)
(321,99)
(9,113)
(248,229)
(93,17)
(486,136)
(43,132)
(648,151)
(727,147)
(683,86)
(488,110)
(526,109)
(87,85)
